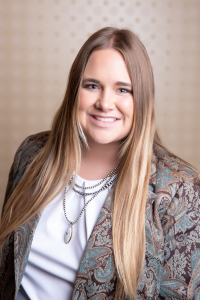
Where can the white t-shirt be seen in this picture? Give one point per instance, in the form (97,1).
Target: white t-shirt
(52,264)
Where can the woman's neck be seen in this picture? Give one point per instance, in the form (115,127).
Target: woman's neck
(99,161)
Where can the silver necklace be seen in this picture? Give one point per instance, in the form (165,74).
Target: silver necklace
(91,187)
(110,180)
(106,185)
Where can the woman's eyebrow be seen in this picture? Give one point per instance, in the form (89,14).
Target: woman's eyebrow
(124,83)
(90,80)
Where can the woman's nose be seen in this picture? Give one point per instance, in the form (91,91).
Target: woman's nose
(105,100)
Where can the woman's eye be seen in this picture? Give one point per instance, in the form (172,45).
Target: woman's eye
(124,91)
(91,86)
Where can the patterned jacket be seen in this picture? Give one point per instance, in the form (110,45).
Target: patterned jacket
(172,259)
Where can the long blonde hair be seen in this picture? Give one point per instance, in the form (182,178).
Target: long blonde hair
(62,155)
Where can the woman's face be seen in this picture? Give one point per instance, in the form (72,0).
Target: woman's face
(106,98)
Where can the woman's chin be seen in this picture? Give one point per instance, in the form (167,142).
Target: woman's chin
(98,140)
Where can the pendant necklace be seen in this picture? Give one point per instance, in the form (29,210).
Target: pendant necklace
(108,181)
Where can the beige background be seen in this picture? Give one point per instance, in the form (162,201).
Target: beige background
(40,38)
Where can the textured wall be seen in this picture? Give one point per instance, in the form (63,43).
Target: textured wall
(39,40)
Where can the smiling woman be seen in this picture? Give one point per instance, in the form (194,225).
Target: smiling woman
(97,208)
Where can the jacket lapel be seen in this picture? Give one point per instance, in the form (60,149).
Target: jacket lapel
(96,277)
(23,237)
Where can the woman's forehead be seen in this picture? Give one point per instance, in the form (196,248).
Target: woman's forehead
(107,63)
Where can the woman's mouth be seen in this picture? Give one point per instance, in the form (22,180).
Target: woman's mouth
(109,119)
(104,121)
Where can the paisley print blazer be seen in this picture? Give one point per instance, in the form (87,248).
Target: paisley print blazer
(172,259)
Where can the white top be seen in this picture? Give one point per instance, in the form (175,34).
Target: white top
(52,265)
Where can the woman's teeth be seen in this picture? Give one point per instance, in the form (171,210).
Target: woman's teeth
(105,119)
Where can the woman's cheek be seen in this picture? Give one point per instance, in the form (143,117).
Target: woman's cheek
(126,107)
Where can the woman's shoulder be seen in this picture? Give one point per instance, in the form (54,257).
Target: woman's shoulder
(31,146)
(177,185)
(25,154)
(170,167)
(33,142)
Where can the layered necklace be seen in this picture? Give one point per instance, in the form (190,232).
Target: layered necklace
(108,180)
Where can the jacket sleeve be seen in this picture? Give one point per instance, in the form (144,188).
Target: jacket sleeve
(181,230)
(26,152)
(7,277)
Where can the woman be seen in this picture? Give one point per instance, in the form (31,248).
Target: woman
(132,229)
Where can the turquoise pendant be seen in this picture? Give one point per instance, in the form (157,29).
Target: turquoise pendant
(68,234)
